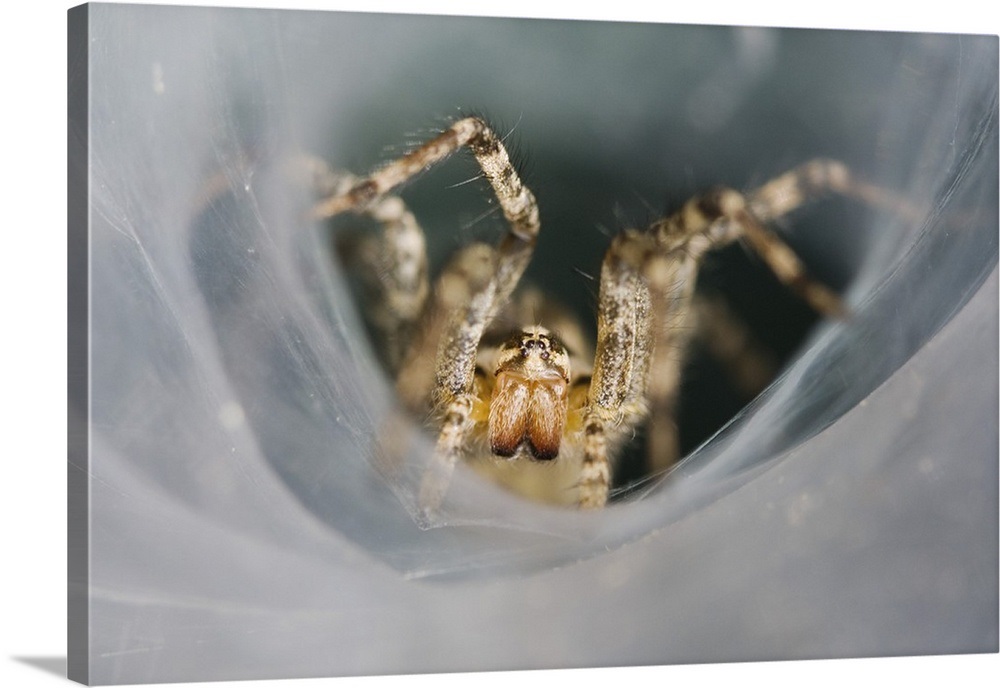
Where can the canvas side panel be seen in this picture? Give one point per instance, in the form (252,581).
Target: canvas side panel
(78,369)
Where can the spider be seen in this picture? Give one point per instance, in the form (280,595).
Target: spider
(495,382)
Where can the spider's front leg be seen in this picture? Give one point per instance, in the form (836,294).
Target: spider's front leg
(467,296)
(465,300)
(616,398)
(678,245)
(647,318)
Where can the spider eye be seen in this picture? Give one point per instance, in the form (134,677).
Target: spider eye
(533,355)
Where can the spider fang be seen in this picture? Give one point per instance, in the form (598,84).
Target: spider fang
(529,402)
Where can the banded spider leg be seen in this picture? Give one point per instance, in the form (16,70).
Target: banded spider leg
(646,316)
(474,285)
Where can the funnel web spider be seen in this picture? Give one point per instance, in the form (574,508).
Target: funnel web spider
(536,396)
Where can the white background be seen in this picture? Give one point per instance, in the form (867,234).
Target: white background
(33,274)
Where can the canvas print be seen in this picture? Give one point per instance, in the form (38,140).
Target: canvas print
(415,344)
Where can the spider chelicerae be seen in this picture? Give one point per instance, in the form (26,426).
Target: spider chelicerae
(507,374)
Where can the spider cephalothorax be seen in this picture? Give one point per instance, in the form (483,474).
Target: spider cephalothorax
(533,406)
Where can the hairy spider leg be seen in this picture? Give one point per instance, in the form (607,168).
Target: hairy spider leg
(468,294)
(392,263)
(636,327)
(667,258)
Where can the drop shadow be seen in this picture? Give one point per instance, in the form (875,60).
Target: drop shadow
(51,665)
